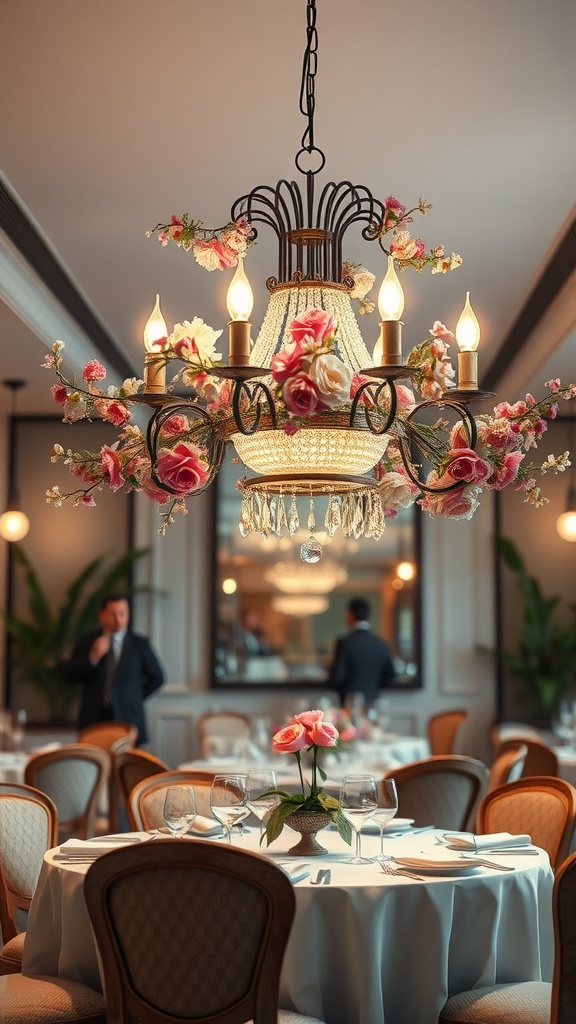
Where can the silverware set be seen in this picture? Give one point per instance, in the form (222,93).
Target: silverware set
(390,869)
(323,877)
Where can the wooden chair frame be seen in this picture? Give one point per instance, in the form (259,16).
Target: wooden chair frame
(540,758)
(475,771)
(252,871)
(131,767)
(83,825)
(111,737)
(557,789)
(442,730)
(507,762)
(162,781)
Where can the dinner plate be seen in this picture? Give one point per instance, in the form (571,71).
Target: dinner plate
(394,825)
(438,865)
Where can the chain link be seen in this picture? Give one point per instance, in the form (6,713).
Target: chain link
(309,69)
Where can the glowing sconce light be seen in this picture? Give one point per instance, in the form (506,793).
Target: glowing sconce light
(14,524)
(405,571)
(155,335)
(229,585)
(240,302)
(388,349)
(468,337)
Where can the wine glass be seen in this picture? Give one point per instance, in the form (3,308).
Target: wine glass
(229,801)
(358,802)
(260,780)
(387,808)
(179,810)
(19,719)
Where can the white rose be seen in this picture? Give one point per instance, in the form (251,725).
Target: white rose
(203,336)
(363,281)
(332,378)
(396,491)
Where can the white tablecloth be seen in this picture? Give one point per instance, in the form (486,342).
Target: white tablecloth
(368,948)
(12,763)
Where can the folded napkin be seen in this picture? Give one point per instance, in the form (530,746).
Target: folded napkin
(295,871)
(495,841)
(84,849)
(205,826)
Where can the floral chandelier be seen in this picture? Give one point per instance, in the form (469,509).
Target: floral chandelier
(308,410)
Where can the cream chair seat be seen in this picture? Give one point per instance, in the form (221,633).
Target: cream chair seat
(72,776)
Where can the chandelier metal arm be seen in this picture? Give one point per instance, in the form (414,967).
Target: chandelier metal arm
(412,437)
(386,414)
(215,447)
(248,413)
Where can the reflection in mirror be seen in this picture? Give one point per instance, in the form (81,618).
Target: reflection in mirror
(277,618)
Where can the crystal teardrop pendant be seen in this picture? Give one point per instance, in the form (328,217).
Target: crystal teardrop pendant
(311,550)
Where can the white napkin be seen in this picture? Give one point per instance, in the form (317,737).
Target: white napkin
(295,871)
(205,826)
(74,849)
(494,841)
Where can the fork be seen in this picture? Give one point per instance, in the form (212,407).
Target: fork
(319,877)
(389,870)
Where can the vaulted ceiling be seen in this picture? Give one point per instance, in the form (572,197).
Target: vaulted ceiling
(116,115)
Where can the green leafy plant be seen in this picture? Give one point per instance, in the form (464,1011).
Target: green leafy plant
(545,661)
(43,641)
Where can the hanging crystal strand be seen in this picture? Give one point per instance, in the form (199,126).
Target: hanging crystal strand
(245,524)
(333,514)
(311,518)
(358,519)
(293,520)
(375,521)
(273,505)
(266,521)
(347,514)
(311,550)
(282,520)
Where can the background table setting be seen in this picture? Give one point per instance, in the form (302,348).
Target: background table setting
(367,946)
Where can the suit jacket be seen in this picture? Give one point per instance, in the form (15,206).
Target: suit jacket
(138,674)
(362,663)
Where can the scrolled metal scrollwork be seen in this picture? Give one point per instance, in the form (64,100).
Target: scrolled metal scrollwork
(250,399)
(411,436)
(385,413)
(205,435)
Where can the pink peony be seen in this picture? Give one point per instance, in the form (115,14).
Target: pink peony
(323,734)
(290,739)
(507,472)
(93,371)
(467,466)
(317,324)
(181,468)
(301,396)
(111,467)
(214,255)
(287,363)
(59,393)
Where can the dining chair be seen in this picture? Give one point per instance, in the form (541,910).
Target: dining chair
(72,776)
(442,730)
(131,767)
(440,791)
(147,796)
(540,758)
(541,806)
(530,1002)
(111,737)
(507,766)
(219,961)
(28,827)
(501,732)
(220,732)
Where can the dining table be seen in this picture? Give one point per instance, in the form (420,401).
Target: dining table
(368,946)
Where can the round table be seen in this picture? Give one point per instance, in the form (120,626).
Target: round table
(367,948)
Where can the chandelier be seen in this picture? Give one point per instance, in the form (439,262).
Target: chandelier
(312,415)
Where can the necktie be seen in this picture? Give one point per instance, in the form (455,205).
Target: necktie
(109,676)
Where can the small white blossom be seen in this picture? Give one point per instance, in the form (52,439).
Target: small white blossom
(53,497)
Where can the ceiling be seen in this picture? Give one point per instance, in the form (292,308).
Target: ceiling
(116,115)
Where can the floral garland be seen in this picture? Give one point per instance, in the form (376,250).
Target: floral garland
(309,378)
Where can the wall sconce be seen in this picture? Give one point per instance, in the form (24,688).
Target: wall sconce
(566,522)
(14,524)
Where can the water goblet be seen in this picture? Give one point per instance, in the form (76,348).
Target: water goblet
(260,802)
(358,802)
(179,810)
(229,801)
(387,808)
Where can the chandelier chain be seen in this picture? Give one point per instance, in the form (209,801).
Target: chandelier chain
(308,84)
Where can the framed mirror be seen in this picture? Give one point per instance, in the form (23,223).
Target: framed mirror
(276,618)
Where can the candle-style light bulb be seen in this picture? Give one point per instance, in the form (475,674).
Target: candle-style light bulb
(240,298)
(468,337)
(240,301)
(468,328)
(391,296)
(155,335)
(388,348)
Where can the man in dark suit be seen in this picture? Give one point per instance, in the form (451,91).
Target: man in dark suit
(362,660)
(116,668)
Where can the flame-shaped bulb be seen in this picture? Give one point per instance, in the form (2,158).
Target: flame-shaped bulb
(391,296)
(240,298)
(468,328)
(155,332)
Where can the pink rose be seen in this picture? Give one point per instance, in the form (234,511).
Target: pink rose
(308,718)
(394,211)
(152,491)
(287,363)
(405,399)
(214,255)
(317,324)
(460,503)
(290,739)
(116,413)
(93,371)
(111,467)
(507,472)
(59,393)
(301,396)
(357,381)
(323,734)
(466,466)
(349,733)
(175,425)
(181,468)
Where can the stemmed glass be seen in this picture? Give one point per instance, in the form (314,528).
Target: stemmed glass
(387,808)
(358,802)
(229,801)
(179,810)
(260,780)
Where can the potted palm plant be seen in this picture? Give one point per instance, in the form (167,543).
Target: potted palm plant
(42,642)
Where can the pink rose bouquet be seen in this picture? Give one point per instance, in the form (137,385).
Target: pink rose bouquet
(307,731)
